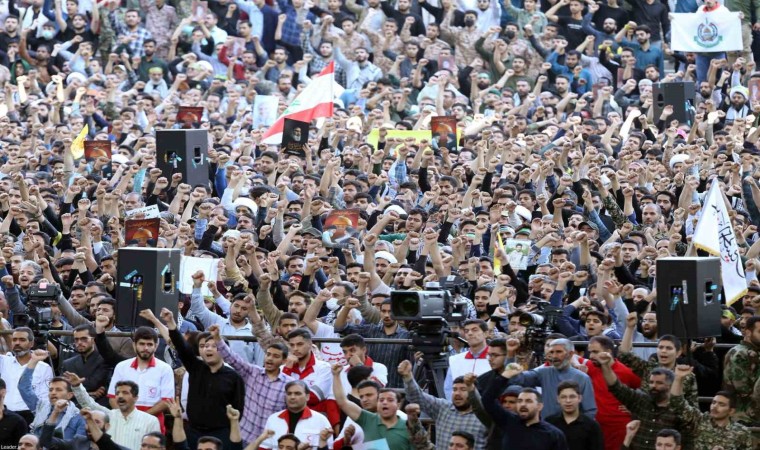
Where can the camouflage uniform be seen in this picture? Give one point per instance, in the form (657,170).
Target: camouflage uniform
(741,371)
(643,368)
(418,435)
(706,434)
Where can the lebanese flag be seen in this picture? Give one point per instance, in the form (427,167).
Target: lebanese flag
(314,102)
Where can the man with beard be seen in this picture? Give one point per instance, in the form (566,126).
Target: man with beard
(154,377)
(612,417)
(302,364)
(211,387)
(75,26)
(524,429)
(668,353)
(297,419)
(9,33)
(648,331)
(559,356)
(89,363)
(402,13)
(129,31)
(645,51)
(740,372)
(380,327)
(237,323)
(710,429)
(572,24)
(359,71)
(264,386)
(13,426)
(150,61)
(609,27)
(13,366)
(735,105)
(47,439)
(127,423)
(449,416)
(298,303)
(69,424)
(651,406)
(105,307)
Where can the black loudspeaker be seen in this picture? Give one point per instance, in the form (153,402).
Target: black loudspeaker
(183,151)
(147,280)
(680,95)
(689,297)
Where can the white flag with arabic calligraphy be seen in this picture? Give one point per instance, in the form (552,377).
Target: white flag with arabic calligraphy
(715,235)
(706,32)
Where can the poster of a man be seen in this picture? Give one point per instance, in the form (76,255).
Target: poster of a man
(340,226)
(444,131)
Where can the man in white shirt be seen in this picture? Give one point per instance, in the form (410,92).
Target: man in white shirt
(472,361)
(309,423)
(355,350)
(12,367)
(154,378)
(127,424)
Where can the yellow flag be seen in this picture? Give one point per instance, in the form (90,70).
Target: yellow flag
(496,260)
(77,147)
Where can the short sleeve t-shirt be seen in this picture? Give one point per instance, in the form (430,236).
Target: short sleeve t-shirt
(397,437)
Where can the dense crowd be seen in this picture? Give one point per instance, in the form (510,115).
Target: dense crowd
(555,195)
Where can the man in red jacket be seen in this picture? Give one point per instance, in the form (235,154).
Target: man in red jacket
(612,416)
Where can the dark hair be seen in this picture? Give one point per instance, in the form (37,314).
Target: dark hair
(669,375)
(157,434)
(281,347)
(301,383)
(300,332)
(2,384)
(145,334)
(668,432)
(466,436)
(88,328)
(749,324)
(353,340)
(728,394)
(533,391)
(289,436)
(288,315)
(61,380)
(669,337)
(606,343)
(27,330)
(367,383)
(480,323)
(499,343)
(569,385)
(211,439)
(134,389)
(358,374)
(393,391)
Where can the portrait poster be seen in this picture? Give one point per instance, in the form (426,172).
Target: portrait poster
(340,226)
(518,251)
(142,232)
(199,10)
(189,117)
(97,149)
(295,135)
(444,132)
(264,111)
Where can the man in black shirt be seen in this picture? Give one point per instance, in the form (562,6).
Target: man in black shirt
(88,364)
(12,425)
(523,430)
(572,25)
(10,33)
(212,386)
(653,14)
(581,432)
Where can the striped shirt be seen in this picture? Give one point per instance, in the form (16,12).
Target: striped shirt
(447,418)
(125,431)
(263,397)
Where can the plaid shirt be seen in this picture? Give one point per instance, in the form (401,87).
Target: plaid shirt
(389,355)
(263,397)
(139,36)
(447,418)
(653,418)
(291,29)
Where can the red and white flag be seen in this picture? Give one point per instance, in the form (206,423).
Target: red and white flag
(314,102)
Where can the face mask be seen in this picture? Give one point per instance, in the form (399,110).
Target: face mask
(47,34)
(509,34)
(332,304)
(469,22)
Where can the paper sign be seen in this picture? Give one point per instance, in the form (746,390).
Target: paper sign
(149,212)
(188,265)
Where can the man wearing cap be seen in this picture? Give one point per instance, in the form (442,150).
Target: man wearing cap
(156,83)
(735,105)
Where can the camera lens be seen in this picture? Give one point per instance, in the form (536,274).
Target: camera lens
(405,304)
